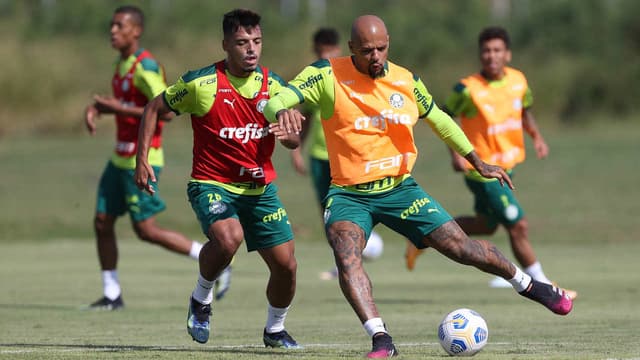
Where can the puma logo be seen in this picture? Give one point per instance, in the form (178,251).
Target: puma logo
(230,102)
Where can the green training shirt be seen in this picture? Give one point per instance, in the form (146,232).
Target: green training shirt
(149,79)
(195,91)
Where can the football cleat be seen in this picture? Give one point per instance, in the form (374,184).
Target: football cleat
(280,339)
(106,304)
(223,282)
(198,321)
(382,347)
(553,298)
(411,254)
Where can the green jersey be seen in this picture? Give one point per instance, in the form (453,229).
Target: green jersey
(316,140)
(148,79)
(195,91)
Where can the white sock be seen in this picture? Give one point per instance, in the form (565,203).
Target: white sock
(374,326)
(535,271)
(195,250)
(110,284)
(275,318)
(202,293)
(520,281)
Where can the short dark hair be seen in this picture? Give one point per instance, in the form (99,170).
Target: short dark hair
(237,18)
(494,32)
(136,14)
(326,36)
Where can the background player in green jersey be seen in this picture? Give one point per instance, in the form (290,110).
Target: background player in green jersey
(326,44)
(231,189)
(138,77)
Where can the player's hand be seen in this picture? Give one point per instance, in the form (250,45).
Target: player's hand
(288,139)
(495,172)
(107,104)
(90,116)
(542,150)
(144,177)
(290,120)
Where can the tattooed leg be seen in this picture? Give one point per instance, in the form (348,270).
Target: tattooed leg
(347,241)
(451,241)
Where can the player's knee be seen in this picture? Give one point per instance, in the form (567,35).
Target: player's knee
(290,268)
(102,224)
(451,241)
(145,233)
(519,229)
(227,244)
(484,227)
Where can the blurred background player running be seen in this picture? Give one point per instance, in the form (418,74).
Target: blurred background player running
(138,78)
(494,110)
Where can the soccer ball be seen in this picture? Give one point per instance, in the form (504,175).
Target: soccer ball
(463,332)
(374,247)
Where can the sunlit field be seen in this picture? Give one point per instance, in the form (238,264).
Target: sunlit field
(582,203)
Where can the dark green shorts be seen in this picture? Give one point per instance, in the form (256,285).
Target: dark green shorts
(407,209)
(263,218)
(496,202)
(118,193)
(321,177)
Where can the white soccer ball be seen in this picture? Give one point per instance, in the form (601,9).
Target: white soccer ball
(374,247)
(463,332)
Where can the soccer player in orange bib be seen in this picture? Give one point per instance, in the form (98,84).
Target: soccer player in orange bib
(369,106)
(494,108)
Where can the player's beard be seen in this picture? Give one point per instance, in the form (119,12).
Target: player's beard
(375,74)
(249,69)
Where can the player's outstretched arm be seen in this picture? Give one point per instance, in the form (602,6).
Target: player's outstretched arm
(144,172)
(489,171)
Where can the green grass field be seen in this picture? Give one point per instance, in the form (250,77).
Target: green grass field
(582,205)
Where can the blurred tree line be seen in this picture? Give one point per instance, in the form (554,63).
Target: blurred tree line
(581,56)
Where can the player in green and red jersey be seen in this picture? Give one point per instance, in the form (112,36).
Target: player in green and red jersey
(231,189)
(138,77)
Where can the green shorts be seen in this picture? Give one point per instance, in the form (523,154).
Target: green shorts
(405,208)
(118,193)
(263,218)
(494,201)
(321,177)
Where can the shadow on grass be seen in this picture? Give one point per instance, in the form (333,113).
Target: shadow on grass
(387,301)
(39,307)
(253,350)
